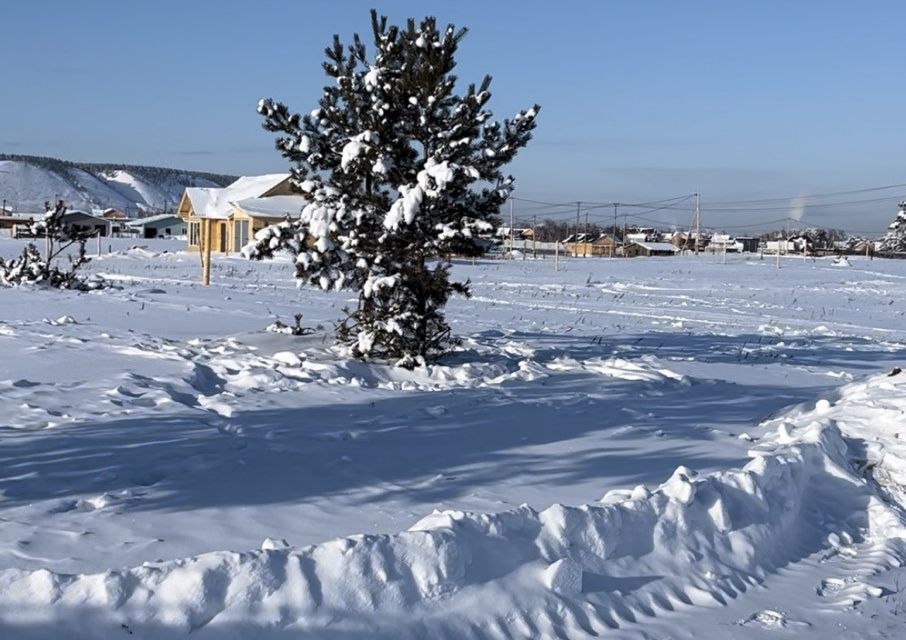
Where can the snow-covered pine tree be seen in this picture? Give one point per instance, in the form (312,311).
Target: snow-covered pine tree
(401,171)
(34,268)
(894,240)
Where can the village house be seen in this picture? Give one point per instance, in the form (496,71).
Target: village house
(649,249)
(165,225)
(577,244)
(83,221)
(18,223)
(723,242)
(678,239)
(748,244)
(793,245)
(228,217)
(110,214)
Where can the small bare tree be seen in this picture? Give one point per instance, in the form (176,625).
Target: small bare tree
(30,267)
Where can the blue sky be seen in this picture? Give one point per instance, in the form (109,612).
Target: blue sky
(640,100)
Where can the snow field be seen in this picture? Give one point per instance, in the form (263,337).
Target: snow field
(696,540)
(179,428)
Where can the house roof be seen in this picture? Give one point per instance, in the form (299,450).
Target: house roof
(272,207)
(657,246)
(84,214)
(213,202)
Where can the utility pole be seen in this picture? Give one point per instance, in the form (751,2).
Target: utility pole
(576,244)
(585,244)
(534,237)
(556,254)
(613,234)
(624,235)
(698,222)
(512,231)
(786,234)
(777,258)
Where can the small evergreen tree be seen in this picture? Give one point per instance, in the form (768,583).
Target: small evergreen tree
(400,171)
(34,268)
(894,240)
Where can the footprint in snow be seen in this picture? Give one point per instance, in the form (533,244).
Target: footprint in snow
(770,619)
(848,591)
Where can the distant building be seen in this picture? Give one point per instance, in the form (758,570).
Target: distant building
(649,249)
(110,214)
(83,221)
(638,236)
(723,242)
(166,225)
(793,245)
(749,244)
(589,245)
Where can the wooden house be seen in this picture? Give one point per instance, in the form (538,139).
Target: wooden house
(209,212)
(606,245)
(111,214)
(649,249)
(249,216)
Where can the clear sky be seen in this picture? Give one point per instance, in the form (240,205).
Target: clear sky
(640,100)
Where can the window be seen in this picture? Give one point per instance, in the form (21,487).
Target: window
(194,228)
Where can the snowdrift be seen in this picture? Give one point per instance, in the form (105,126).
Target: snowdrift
(823,481)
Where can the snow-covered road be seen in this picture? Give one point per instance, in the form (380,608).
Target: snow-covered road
(159,421)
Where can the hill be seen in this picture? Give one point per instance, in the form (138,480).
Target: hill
(26,182)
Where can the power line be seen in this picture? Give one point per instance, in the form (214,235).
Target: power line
(727,205)
(815,195)
(549,204)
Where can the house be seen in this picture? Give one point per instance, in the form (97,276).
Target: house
(165,225)
(253,214)
(578,244)
(215,206)
(649,249)
(110,214)
(525,233)
(867,247)
(18,223)
(638,236)
(749,244)
(723,242)
(679,239)
(83,221)
(794,245)
(607,245)
(585,245)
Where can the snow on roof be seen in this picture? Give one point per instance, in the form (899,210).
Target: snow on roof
(151,219)
(272,207)
(211,202)
(85,214)
(657,246)
(254,186)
